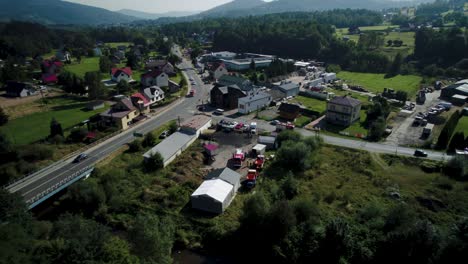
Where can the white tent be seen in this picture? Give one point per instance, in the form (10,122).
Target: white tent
(213,196)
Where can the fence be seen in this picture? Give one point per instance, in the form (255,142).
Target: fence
(58,186)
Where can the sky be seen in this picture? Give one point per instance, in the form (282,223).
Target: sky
(154,6)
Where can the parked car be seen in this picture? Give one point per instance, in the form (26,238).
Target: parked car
(80,158)
(164,134)
(420,153)
(218,112)
(275,122)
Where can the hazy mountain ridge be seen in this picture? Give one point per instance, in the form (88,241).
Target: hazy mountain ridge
(146,15)
(59,12)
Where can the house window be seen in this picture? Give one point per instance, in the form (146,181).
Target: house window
(332,107)
(127,117)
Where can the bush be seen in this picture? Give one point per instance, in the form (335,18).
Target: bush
(149,140)
(154,163)
(173,127)
(32,153)
(457,168)
(78,135)
(135,146)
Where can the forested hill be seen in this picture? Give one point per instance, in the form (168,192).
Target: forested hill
(58,12)
(236,8)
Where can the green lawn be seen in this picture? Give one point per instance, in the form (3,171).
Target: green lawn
(355,129)
(31,128)
(462,125)
(116,44)
(177,78)
(312,103)
(375,82)
(86,65)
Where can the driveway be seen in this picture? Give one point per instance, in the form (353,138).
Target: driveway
(404,133)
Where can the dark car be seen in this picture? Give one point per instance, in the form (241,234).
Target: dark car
(80,158)
(164,134)
(420,153)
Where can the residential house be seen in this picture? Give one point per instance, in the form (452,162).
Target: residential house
(155,78)
(216,194)
(231,79)
(19,89)
(141,102)
(343,110)
(226,97)
(216,70)
(161,65)
(173,87)
(289,111)
(122,114)
(115,60)
(154,94)
(254,101)
(63,55)
(49,78)
(51,67)
(288,88)
(119,54)
(119,74)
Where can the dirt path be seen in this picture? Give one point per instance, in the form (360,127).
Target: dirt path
(18,107)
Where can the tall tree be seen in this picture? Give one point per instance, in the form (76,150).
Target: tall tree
(3,117)
(396,65)
(55,128)
(105,64)
(95,87)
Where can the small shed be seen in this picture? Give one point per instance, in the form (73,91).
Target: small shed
(269,142)
(259,149)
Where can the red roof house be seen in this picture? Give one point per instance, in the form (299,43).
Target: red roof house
(48,78)
(119,74)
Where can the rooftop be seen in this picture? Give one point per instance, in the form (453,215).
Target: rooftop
(226,175)
(289,86)
(216,189)
(345,100)
(168,147)
(196,122)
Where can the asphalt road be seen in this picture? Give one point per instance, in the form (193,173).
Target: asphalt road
(183,109)
(348,143)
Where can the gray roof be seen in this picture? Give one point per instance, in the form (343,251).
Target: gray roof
(149,92)
(289,86)
(266,140)
(169,147)
(345,100)
(223,89)
(226,175)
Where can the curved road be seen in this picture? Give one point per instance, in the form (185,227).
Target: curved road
(183,108)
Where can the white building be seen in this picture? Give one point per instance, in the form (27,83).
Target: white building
(154,94)
(155,78)
(329,77)
(253,102)
(172,146)
(121,74)
(215,195)
(244,64)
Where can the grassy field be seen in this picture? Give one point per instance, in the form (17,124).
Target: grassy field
(67,111)
(355,130)
(462,125)
(377,82)
(312,103)
(408,39)
(116,44)
(86,65)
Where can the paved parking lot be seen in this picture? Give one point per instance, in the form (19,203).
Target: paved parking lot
(404,133)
